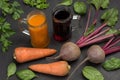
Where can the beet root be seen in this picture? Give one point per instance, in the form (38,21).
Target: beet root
(96,54)
(68,52)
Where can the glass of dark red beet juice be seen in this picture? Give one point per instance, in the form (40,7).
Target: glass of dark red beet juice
(61,23)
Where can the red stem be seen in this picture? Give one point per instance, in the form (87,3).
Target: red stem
(108,43)
(99,39)
(95,18)
(97,35)
(81,39)
(114,43)
(88,20)
(92,34)
(96,31)
(112,50)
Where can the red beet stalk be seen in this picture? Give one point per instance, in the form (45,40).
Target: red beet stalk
(83,39)
(99,39)
(112,50)
(110,47)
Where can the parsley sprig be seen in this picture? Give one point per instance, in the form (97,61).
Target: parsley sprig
(40,4)
(5,33)
(12,8)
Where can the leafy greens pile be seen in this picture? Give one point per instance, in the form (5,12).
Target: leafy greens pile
(8,8)
(12,8)
(5,33)
(40,4)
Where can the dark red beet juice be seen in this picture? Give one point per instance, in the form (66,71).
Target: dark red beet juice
(61,24)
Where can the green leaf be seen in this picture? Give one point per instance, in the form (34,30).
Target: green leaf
(105,4)
(92,73)
(15,15)
(113,31)
(10,7)
(40,4)
(25,74)
(26,1)
(15,4)
(11,69)
(80,7)
(66,2)
(100,3)
(15,7)
(112,64)
(110,16)
(89,30)
(5,33)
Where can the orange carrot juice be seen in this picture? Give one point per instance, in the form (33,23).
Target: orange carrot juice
(38,29)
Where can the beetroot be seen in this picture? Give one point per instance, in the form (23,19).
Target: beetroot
(69,52)
(96,54)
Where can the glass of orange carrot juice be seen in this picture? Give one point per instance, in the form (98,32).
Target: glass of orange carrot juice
(38,29)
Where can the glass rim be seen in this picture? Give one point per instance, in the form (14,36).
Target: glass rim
(59,8)
(35,12)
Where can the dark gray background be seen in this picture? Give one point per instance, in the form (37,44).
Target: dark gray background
(20,39)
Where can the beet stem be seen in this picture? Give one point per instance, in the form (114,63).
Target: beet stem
(88,20)
(86,59)
(112,50)
(114,43)
(53,58)
(95,18)
(108,43)
(101,38)
(81,39)
(96,31)
(92,34)
(97,35)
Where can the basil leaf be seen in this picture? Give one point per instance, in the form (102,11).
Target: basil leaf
(112,64)
(80,7)
(11,69)
(92,73)
(110,16)
(66,2)
(100,3)
(25,74)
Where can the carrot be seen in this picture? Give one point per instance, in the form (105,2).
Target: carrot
(24,54)
(59,68)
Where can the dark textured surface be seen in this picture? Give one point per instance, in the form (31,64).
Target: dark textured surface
(20,39)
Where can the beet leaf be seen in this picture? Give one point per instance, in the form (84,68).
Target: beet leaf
(100,3)
(110,18)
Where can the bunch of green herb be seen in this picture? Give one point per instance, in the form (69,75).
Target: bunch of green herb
(40,4)
(5,33)
(12,8)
